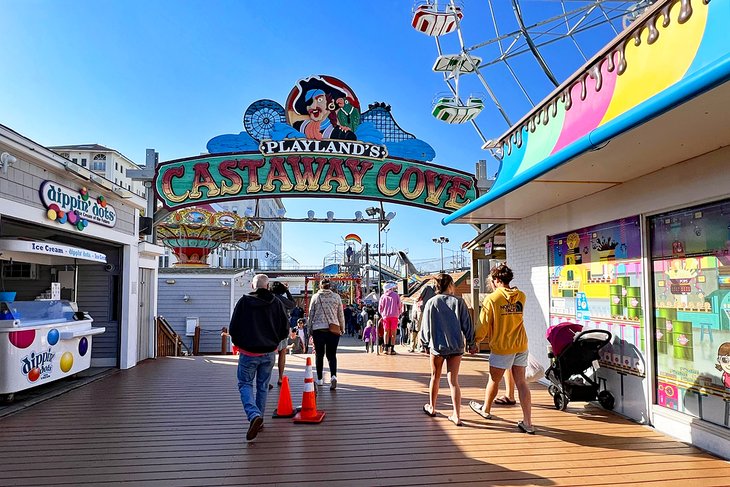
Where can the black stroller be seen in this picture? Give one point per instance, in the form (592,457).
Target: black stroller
(573,352)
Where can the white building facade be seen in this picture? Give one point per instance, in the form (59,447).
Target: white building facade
(120,294)
(615,195)
(105,162)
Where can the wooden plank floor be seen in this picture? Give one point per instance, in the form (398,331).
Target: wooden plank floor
(179,422)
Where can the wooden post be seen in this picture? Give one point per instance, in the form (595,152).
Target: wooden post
(196,341)
(224,341)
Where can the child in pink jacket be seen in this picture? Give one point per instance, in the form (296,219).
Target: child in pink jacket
(369,336)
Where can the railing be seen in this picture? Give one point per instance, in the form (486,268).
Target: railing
(224,340)
(169,343)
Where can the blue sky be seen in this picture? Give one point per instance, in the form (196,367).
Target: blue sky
(170,75)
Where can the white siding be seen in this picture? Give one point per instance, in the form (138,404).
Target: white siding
(699,180)
(695,181)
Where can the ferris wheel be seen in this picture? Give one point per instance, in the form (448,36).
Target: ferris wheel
(514,42)
(260,117)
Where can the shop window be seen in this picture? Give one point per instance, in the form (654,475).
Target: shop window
(690,253)
(595,280)
(19,270)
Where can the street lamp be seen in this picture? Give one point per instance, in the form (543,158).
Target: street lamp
(384,220)
(441,241)
(387,253)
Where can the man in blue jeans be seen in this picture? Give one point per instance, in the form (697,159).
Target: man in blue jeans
(258,324)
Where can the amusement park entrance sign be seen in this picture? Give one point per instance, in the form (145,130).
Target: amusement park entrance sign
(320,145)
(189,182)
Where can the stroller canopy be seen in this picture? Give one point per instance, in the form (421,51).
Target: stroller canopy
(561,335)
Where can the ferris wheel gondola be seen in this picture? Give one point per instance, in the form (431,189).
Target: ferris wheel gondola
(510,36)
(432,21)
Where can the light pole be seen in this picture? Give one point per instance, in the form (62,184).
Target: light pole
(384,221)
(387,254)
(441,241)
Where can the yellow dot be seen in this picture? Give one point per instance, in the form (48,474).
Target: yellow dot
(67,361)
(51,214)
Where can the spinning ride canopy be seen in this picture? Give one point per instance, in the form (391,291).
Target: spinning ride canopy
(192,233)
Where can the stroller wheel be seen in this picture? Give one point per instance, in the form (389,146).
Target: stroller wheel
(606,400)
(552,390)
(561,401)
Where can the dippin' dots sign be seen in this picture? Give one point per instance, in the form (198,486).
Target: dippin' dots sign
(75,207)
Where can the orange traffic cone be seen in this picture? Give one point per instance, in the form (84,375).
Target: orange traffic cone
(309,413)
(285,408)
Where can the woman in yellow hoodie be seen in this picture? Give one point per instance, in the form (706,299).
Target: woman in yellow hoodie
(501,320)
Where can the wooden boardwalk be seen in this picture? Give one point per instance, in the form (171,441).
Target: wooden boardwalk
(179,422)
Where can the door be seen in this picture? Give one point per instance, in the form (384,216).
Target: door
(145,320)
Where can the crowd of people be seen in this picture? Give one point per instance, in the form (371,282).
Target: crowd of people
(267,325)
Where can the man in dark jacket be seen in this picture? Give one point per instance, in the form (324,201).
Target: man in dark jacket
(258,324)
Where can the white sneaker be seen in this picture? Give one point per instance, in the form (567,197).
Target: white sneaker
(333,382)
(319,382)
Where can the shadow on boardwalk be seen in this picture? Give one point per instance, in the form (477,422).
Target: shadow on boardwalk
(179,422)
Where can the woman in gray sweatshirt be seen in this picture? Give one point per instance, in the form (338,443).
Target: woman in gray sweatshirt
(446,331)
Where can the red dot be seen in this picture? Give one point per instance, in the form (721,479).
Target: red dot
(22,339)
(34,374)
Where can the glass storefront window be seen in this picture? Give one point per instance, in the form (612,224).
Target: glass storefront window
(596,281)
(690,252)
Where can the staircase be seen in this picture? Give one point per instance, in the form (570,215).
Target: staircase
(169,343)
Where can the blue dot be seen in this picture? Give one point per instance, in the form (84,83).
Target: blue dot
(53,336)
(83,346)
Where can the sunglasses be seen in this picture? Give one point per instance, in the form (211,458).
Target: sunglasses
(724,359)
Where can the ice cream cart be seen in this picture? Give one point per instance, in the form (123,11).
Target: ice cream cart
(43,340)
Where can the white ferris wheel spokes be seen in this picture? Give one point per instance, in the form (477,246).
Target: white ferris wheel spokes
(517,30)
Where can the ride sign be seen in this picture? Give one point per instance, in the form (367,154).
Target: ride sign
(318,144)
(207,179)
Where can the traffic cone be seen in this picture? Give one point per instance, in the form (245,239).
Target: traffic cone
(309,413)
(284,409)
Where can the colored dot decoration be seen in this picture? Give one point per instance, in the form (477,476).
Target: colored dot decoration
(53,336)
(34,374)
(22,339)
(67,361)
(54,212)
(83,346)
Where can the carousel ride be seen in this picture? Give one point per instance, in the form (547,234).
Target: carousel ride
(515,41)
(193,233)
